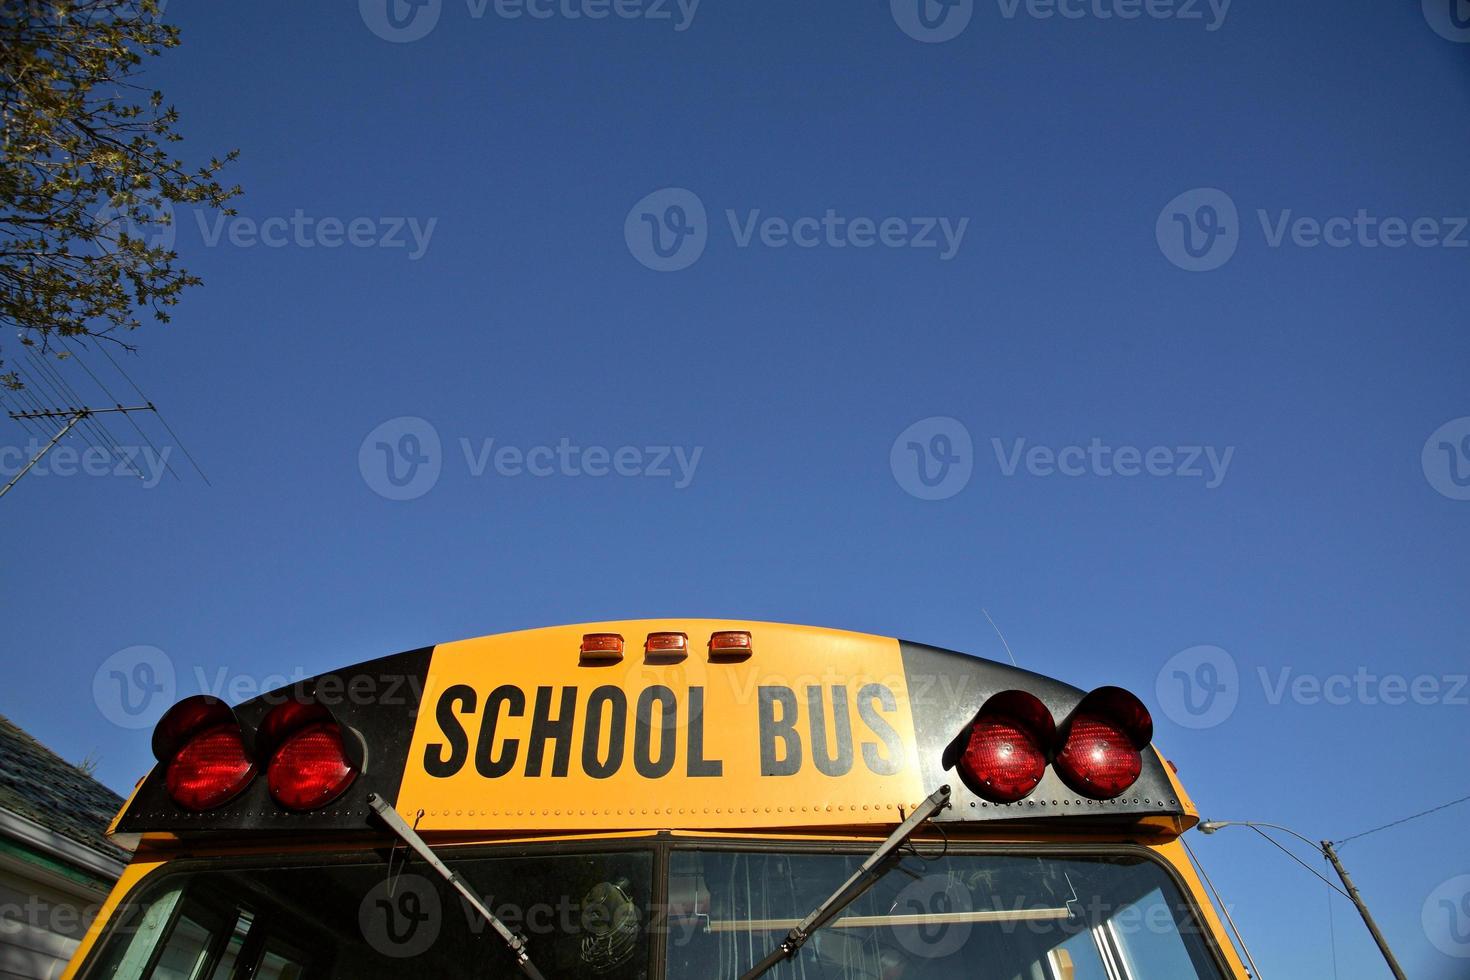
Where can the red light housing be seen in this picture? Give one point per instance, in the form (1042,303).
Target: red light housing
(730,644)
(1004,751)
(602,646)
(667,644)
(311,768)
(186,719)
(211,769)
(1102,744)
(284,719)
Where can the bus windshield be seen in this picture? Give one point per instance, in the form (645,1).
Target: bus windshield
(993,917)
(602,913)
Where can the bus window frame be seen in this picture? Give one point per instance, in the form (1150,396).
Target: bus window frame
(661,845)
(218,909)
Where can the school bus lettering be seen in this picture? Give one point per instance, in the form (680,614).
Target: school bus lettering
(647,765)
(554,718)
(445,760)
(614,700)
(780,730)
(513,702)
(813,727)
(543,727)
(889,761)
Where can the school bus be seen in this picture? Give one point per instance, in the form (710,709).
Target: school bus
(689,799)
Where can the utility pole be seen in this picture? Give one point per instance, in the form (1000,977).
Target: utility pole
(1327,851)
(1352,891)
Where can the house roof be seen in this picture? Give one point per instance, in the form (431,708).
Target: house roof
(38,784)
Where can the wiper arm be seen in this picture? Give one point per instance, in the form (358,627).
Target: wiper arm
(420,847)
(878,864)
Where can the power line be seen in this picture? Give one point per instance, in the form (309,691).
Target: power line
(1416,816)
(98,433)
(168,428)
(27,397)
(1287,852)
(106,391)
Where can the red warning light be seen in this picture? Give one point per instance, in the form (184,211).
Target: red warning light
(1103,742)
(1005,752)
(211,769)
(311,769)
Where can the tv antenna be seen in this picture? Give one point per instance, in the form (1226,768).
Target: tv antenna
(53,408)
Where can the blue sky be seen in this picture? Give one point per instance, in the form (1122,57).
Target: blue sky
(1062,153)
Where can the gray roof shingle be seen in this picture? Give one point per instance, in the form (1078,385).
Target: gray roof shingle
(40,785)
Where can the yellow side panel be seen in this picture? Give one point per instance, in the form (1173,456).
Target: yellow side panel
(860,683)
(131,876)
(1174,852)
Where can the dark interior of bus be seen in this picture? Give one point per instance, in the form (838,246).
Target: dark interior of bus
(941,913)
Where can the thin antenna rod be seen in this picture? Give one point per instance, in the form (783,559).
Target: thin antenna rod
(1002,637)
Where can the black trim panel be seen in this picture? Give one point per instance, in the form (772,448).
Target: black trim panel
(946,689)
(378,699)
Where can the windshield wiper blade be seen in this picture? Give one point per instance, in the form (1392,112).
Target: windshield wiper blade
(878,864)
(409,836)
